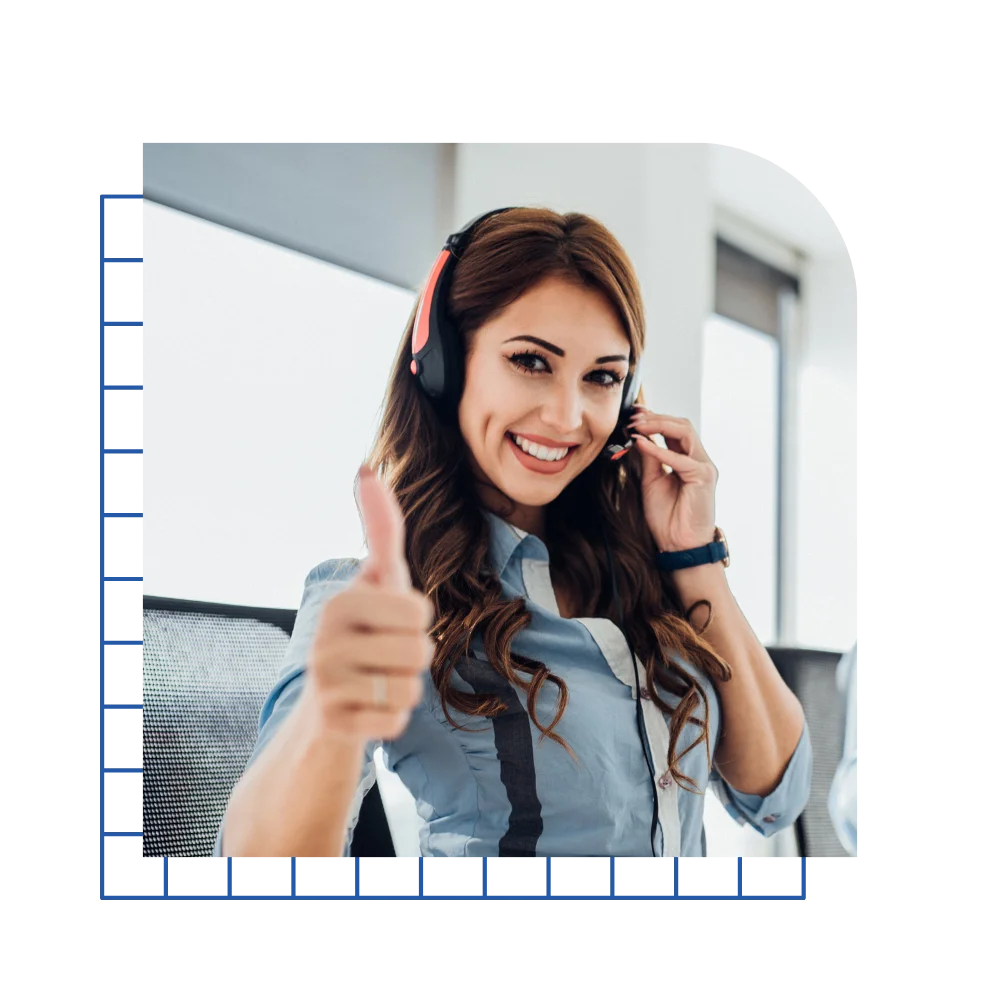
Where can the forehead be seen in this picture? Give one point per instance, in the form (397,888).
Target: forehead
(566,314)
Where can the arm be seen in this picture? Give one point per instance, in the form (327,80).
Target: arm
(763,720)
(295,799)
(295,795)
(763,725)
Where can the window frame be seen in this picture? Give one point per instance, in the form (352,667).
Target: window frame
(781,268)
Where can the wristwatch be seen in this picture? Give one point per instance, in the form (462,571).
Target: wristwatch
(716,551)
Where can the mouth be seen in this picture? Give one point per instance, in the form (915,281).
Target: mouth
(544,461)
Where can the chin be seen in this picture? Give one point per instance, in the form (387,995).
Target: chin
(535,497)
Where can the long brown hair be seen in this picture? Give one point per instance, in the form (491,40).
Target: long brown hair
(421,455)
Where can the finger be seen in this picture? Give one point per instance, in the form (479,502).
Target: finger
(655,423)
(371,723)
(673,429)
(684,465)
(397,692)
(400,653)
(368,606)
(385,533)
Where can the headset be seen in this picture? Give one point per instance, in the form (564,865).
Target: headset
(437,361)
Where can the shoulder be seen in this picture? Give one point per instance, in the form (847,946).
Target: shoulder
(333,570)
(325,579)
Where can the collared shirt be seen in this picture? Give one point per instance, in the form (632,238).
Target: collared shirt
(500,789)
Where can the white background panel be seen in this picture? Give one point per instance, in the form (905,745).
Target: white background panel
(123,546)
(262,876)
(123,418)
(581,876)
(123,675)
(123,737)
(515,876)
(123,610)
(197,877)
(644,876)
(389,877)
(122,803)
(122,293)
(324,876)
(707,877)
(123,355)
(123,227)
(453,876)
(772,876)
(123,484)
(127,872)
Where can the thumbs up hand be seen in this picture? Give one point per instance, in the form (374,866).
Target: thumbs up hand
(365,670)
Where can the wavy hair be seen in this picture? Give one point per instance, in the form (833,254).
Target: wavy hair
(419,452)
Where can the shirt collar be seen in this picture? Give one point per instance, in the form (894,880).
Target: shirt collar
(506,539)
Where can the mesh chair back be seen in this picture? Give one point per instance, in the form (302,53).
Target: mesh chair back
(207,670)
(811,674)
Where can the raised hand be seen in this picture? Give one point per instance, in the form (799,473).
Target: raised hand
(366,668)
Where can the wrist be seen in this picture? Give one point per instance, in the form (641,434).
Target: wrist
(671,545)
(673,558)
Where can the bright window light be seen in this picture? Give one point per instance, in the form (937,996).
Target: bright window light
(739,429)
(264,373)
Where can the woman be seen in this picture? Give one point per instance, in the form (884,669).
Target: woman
(526,726)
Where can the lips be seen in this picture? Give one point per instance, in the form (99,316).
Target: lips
(537,464)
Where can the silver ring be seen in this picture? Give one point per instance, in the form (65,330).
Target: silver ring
(381,694)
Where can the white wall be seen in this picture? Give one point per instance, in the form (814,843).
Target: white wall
(824,613)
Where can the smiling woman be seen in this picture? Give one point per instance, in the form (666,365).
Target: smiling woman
(540,564)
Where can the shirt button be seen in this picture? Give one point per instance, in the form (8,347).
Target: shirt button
(665,780)
(771,818)
(645,693)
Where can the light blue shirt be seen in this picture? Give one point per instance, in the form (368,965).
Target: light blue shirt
(500,790)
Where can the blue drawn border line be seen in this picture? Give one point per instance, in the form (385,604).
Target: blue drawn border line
(293,894)
(105,643)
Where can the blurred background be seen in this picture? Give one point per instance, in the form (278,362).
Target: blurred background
(277,283)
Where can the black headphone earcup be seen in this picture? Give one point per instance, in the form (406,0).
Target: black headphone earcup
(629,392)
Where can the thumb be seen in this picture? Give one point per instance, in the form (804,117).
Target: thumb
(385,532)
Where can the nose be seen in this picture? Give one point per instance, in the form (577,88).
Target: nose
(562,409)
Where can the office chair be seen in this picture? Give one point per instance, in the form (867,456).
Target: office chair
(207,669)
(811,674)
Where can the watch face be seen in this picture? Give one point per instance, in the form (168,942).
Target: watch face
(720,537)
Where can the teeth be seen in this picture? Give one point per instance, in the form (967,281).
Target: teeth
(536,450)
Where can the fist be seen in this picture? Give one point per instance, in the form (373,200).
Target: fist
(367,663)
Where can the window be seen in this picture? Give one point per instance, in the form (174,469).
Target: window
(739,418)
(743,388)
(264,373)
(744,365)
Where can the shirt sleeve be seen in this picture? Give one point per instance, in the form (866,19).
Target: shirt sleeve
(768,814)
(323,582)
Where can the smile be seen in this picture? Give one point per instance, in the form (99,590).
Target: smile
(539,458)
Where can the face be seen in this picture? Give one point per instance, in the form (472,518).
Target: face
(547,373)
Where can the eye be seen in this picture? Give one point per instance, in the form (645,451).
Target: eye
(518,361)
(524,361)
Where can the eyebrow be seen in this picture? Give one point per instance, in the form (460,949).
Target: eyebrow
(559,352)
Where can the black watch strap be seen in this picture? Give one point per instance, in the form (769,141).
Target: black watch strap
(713,552)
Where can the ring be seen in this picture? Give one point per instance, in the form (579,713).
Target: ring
(381,695)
